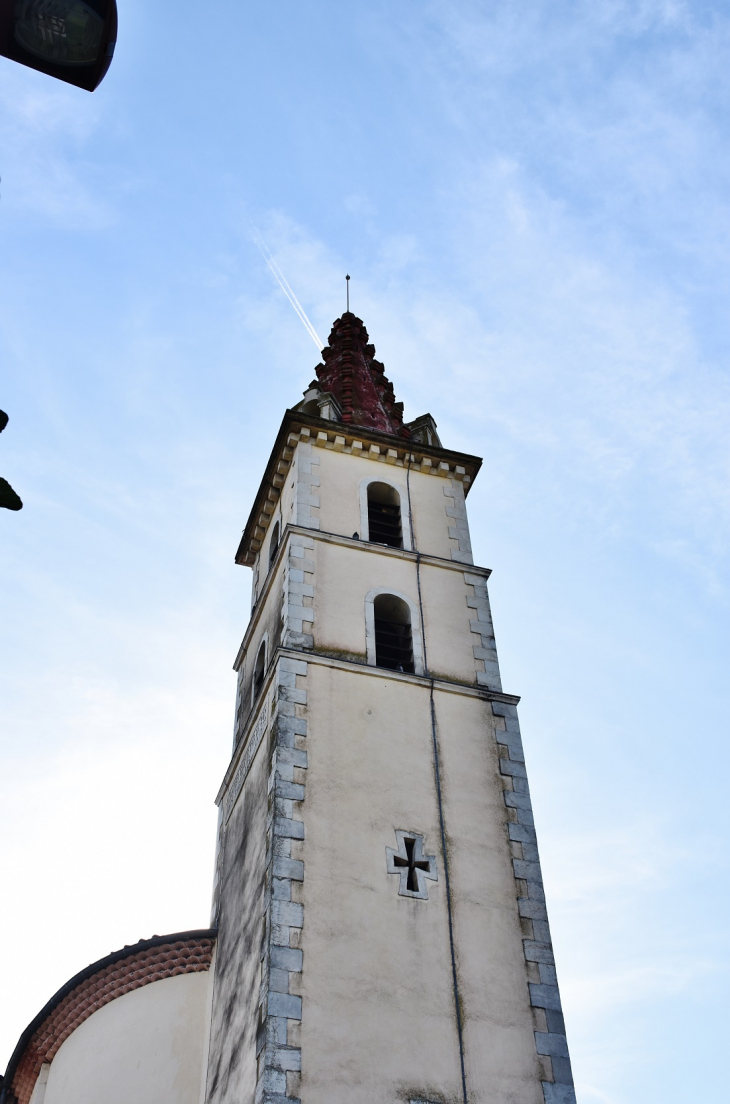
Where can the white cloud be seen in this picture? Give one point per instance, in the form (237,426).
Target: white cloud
(590,367)
(47,133)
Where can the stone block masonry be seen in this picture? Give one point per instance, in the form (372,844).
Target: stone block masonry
(459,525)
(297,612)
(279,1056)
(307,479)
(480,623)
(551,1043)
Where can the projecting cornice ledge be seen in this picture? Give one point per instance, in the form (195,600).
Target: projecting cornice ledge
(259,715)
(396,553)
(449,686)
(380,447)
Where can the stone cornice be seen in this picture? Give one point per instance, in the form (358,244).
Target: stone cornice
(380,447)
(449,686)
(394,553)
(322,659)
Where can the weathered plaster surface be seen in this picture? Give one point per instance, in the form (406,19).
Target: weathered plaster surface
(257,1010)
(242,874)
(353,572)
(341,477)
(377,970)
(550,1039)
(346,967)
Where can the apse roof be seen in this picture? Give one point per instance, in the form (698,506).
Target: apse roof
(133,966)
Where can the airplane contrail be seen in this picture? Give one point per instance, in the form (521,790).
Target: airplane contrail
(284,285)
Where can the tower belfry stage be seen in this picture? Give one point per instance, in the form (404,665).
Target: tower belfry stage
(379,932)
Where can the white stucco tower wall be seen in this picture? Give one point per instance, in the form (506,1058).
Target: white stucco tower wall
(382,930)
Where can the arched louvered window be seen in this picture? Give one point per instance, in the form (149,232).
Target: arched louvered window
(384,515)
(393,638)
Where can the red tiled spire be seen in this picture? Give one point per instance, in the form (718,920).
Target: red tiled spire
(357,380)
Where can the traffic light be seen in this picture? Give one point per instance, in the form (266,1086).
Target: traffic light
(72,40)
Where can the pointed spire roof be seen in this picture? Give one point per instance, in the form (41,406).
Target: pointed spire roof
(357,380)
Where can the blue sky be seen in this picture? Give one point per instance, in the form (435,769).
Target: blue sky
(532,200)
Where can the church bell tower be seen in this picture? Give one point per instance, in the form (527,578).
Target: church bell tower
(382,929)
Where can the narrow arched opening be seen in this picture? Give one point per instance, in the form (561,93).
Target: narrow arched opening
(274,544)
(393,637)
(259,671)
(384,515)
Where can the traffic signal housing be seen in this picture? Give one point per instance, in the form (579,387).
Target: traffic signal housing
(71,40)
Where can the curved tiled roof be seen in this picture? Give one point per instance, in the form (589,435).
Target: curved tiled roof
(149,960)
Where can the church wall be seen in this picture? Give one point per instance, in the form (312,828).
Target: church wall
(267,623)
(146,1046)
(287,495)
(364,973)
(283,510)
(339,609)
(350,992)
(351,572)
(376,979)
(242,869)
(339,492)
(493,978)
(449,639)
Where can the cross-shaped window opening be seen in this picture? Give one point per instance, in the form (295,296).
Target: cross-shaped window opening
(413,867)
(412,863)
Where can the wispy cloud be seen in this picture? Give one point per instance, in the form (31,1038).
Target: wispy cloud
(598,371)
(47,133)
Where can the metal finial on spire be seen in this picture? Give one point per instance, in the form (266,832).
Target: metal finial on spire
(347,285)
